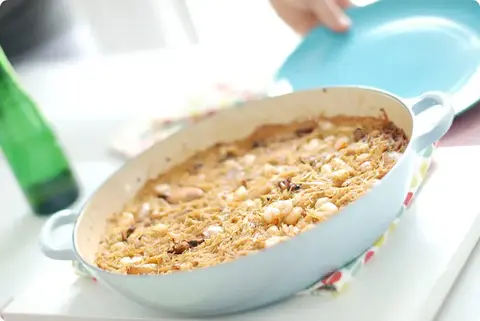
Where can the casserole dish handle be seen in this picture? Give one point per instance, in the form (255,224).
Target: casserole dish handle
(429,126)
(47,241)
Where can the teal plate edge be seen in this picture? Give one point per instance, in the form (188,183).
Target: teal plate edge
(463,99)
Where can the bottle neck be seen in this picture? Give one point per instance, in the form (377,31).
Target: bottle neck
(17,110)
(8,76)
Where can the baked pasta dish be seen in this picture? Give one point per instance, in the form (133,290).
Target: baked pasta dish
(238,198)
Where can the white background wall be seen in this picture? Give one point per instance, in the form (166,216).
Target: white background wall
(125,25)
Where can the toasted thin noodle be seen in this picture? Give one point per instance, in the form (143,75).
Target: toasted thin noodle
(237,198)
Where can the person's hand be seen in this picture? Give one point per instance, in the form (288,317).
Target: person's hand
(304,15)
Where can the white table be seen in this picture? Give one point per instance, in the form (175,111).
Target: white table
(88,101)
(407,280)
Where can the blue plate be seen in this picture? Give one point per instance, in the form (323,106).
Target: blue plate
(403,46)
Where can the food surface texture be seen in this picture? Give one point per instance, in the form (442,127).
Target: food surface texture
(238,198)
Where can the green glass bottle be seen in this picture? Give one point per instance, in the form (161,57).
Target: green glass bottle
(31,148)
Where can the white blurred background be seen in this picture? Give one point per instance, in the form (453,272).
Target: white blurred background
(79,28)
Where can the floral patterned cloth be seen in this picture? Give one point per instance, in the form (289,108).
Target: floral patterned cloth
(159,129)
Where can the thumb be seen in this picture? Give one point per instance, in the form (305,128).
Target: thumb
(330,14)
